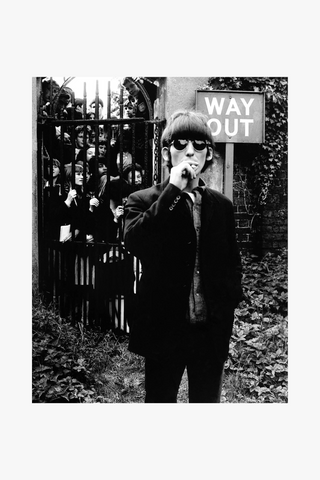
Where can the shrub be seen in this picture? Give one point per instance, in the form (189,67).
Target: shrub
(72,364)
(257,364)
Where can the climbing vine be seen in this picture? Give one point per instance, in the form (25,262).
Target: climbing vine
(268,157)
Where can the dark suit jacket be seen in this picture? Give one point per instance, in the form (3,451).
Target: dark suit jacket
(159,231)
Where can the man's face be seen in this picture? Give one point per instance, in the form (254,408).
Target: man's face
(132,88)
(190,151)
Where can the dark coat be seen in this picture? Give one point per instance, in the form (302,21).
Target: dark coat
(99,223)
(160,232)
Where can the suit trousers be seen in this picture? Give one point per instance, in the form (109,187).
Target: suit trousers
(205,371)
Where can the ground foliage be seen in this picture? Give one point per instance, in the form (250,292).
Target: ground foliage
(257,367)
(74,365)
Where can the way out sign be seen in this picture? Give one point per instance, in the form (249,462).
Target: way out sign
(234,116)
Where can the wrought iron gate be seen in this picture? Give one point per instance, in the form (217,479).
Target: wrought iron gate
(87,272)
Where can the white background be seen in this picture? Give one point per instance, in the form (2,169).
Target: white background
(151,442)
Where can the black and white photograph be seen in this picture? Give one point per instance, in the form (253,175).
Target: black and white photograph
(160,240)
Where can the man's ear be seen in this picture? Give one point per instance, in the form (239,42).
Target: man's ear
(165,154)
(209,154)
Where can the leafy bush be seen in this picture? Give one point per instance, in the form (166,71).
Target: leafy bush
(59,372)
(78,365)
(257,366)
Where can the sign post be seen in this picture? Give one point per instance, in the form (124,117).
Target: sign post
(228,170)
(234,117)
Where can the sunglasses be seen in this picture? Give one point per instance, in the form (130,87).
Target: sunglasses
(181,144)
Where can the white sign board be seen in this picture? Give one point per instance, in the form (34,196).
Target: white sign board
(234,116)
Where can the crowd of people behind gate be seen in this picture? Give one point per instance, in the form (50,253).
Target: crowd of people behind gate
(85,192)
(112,167)
(67,187)
(119,141)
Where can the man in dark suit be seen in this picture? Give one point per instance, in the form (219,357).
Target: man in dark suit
(184,235)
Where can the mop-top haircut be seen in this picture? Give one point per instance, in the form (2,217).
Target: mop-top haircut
(187,124)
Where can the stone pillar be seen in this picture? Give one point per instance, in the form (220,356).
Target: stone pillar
(181,92)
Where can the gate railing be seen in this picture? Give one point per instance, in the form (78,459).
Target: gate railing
(91,281)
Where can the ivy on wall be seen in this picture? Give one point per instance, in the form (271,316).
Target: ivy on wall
(267,158)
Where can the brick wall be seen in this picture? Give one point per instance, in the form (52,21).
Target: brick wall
(270,231)
(243,218)
(275,214)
